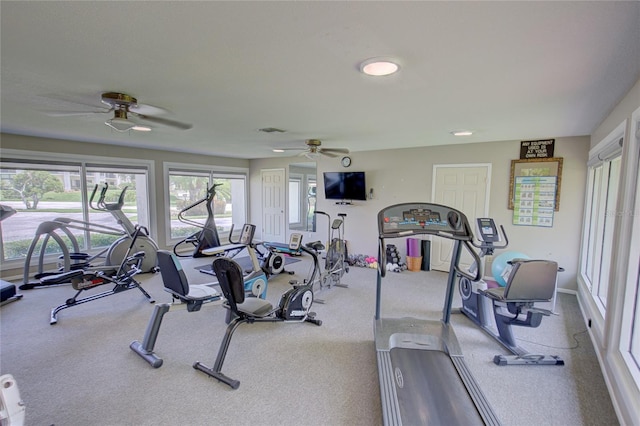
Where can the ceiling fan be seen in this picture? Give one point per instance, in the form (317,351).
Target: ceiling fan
(123,107)
(314,149)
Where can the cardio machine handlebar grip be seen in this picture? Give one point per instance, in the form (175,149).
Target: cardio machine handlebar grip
(382,258)
(476,259)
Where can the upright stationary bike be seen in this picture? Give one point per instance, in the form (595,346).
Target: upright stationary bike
(336,255)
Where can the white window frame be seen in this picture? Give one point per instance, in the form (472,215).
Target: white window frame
(83,161)
(295,198)
(630,320)
(594,226)
(168,167)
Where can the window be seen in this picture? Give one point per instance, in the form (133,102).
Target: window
(45,190)
(295,188)
(630,334)
(630,324)
(131,184)
(602,195)
(187,194)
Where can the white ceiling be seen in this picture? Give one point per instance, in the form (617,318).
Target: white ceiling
(507,70)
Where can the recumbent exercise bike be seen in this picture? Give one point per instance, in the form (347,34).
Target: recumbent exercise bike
(294,305)
(528,281)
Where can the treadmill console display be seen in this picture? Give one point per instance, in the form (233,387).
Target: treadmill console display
(423,218)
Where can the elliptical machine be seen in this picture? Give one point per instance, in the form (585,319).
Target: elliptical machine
(72,259)
(207,237)
(528,281)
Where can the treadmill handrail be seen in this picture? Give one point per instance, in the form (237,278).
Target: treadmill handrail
(382,258)
(476,258)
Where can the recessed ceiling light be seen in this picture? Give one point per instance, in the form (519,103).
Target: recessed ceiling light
(379,67)
(462,133)
(278,150)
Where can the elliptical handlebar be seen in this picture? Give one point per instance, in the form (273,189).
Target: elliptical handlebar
(101,205)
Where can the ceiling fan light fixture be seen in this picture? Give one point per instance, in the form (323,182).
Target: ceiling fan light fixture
(312,155)
(121,125)
(379,67)
(140,128)
(278,150)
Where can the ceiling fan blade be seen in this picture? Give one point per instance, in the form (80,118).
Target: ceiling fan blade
(334,150)
(164,121)
(328,154)
(144,109)
(75,113)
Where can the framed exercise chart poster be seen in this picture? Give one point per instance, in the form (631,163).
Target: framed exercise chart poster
(534,200)
(536,167)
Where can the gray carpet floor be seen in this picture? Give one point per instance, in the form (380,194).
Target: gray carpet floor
(82,372)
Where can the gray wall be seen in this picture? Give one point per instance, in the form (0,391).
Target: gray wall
(401,175)
(405,175)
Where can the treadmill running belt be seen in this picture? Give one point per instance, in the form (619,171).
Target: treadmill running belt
(429,389)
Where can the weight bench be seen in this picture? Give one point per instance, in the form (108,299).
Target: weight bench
(530,281)
(184,295)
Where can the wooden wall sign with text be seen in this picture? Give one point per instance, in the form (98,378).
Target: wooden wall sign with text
(537,149)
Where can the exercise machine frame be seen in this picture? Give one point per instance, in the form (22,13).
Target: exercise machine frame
(184,296)
(122,280)
(294,306)
(71,257)
(335,265)
(8,291)
(508,310)
(207,237)
(421,369)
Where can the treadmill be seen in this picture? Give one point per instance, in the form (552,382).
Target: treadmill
(423,377)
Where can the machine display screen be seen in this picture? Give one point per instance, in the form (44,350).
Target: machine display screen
(488,230)
(422,218)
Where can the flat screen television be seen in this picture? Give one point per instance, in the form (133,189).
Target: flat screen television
(344,186)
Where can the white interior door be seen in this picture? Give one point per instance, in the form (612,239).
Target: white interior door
(463,187)
(273,205)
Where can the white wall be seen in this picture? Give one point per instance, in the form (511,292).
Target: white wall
(405,175)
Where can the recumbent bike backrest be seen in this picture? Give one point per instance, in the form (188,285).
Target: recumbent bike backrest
(230,278)
(531,280)
(174,278)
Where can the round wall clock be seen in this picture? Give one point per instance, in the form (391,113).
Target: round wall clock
(346,161)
